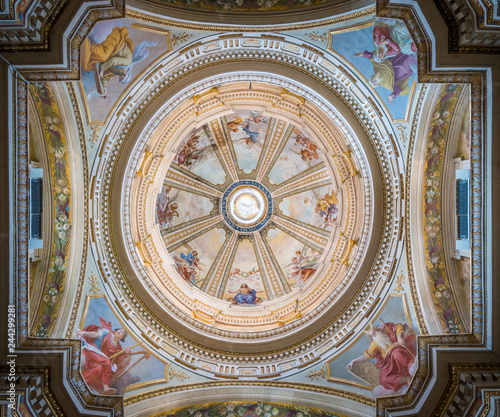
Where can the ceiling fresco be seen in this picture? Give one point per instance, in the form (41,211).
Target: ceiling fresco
(248,206)
(249,198)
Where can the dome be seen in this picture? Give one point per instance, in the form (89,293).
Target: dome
(252,198)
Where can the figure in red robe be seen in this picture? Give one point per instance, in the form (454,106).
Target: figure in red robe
(394,348)
(104,357)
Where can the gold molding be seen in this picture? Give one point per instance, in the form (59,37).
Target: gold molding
(146,258)
(270,384)
(350,246)
(350,163)
(292,96)
(145,160)
(198,98)
(272,28)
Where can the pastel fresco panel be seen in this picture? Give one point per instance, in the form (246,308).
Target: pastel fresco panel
(244,285)
(104,338)
(196,154)
(248,130)
(299,154)
(382,344)
(194,259)
(318,207)
(298,262)
(461,284)
(463,146)
(385,54)
(174,206)
(111,57)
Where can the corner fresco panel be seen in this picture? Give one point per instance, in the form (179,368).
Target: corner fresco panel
(384,357)
(113,361)
(111,57)
(385,54)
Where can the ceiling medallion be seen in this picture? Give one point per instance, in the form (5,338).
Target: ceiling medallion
(246,206)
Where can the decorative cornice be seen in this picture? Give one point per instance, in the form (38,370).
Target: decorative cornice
(465,381)
(271,384)
(37,25)
(467,35)
(242,28)
(86,217)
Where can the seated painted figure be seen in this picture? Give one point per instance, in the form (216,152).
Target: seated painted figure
(246,295)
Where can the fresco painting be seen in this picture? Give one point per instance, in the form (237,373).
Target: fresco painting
(439,276)
(111,57)
(244,284)
(463,147)
(194,259)
(247,409)
(299,154)
(386,56)
(248,130)
(384,358)
(196,154)
(56,142)
(318,207)
(110,354)
(298,261)
(174,206)
(462,284)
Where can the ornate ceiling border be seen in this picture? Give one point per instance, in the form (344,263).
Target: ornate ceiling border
(70,69)
(39,21)
(407,184)
(465,379)
(466,35)
(242,28)
(86,216)
(33,34)
(34,383)
(479,87)
(478,81)
(277,384)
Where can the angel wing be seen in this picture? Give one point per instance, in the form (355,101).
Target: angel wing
(317,196)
